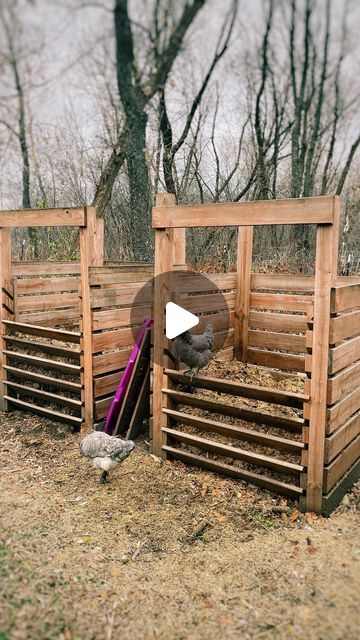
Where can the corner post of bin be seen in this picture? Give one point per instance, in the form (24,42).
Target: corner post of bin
(5,277)
(327,236)
(164,264)
(243,292)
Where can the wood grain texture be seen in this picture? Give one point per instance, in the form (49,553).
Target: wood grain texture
(344,354)
(243,292)
(335,443)
(345,298)
(340,465)
(67,217)
(342,410)
(342,383)
(278,321)
(276,360)
(344,326)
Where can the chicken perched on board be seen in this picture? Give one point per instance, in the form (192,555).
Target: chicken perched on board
(194,350)
(105,452)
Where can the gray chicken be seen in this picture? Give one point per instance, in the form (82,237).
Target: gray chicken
(105,452)
(194,350)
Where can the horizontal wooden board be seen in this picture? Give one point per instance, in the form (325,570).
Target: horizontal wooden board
(45,412)
(342,410)
(248,415)
(317,210)
(43,347)
(287,361)
(46,302)
(207,302)
(240,389)
(22,374)
(52,318)
(335,443)
(124,297)
(272,340)
(107,384)
(277,321)
(52,398)
(236,431)
(120,317)
(343,383)
(33,330)
(45,267)
(197,283)
(345,298)
(35,361)
(101,407)
(31,286)
(344,354)
(235,472)
(345,326)
(221,449)
(334,497)
(112,361)
(280,302)
(282,282)
(340,465)
(70,217)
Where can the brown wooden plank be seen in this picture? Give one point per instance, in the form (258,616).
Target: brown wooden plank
(51,318)
(112,361)
(280,301)
(342,410)
(117,277)
(344,354)
(48,301)
(120,317)
(263,394)
(5,275)
(72,387)
(200,283)
(33,330)
(44,267)
(121,297)
(106,384)
(243,291)
(334,497)
(235,472)
(43,347)
(101,407)
(70,217)
(208,302)
(249,415)
(234,452)
(47,413)
(345,326)
(273,359)
(277,321)
(340,465)
(114,339)
(45,284)
(236,431)
(335,443)
(35,361)
(282,282)
(345,298)
(272,340)
(343,383)
(295,211)
(141,410)
(53,398)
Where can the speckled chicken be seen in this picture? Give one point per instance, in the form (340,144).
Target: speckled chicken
(105,452)
(194,350)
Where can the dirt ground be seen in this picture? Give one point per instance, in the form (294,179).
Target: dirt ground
(163,551)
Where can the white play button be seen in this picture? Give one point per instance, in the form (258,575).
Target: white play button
(178,320)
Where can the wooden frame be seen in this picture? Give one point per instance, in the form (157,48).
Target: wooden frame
(322,211)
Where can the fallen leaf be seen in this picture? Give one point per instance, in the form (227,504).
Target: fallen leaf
(293,516)
(312,549)
(219,516)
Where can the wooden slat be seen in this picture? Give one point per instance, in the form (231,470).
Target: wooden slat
(345,298)
(280,301)
(46,302)
(52,318)
(46,285)
(114,339)
(272,340)
(268,212)
(342,410)
(106,362)
(43,395)
(114,277)
(335,443)
(72,387)
(70,217)
(344,354)
(234,452)
(343,327)
(282,282)
(120,317)
(47,413)
(264,394)
(121,297)
(106,384)
(276,360)
(334,497)
(43,347)
(45,332)
(235,472)
(236,431)
(249,415)
(278,321)
(35,361)
(198,282)
(339,466)
(243,292)
(343,383)
(101,407)
(35,268)
(208,302)
(5,275)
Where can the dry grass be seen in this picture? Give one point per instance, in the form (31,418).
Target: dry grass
(163,551)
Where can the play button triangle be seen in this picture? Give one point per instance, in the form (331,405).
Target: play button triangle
(178,320)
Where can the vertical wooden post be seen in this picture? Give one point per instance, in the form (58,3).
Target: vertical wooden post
(179,242)
(164,257)
(243,292)
(87,257)
(5,276)
(326,248)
